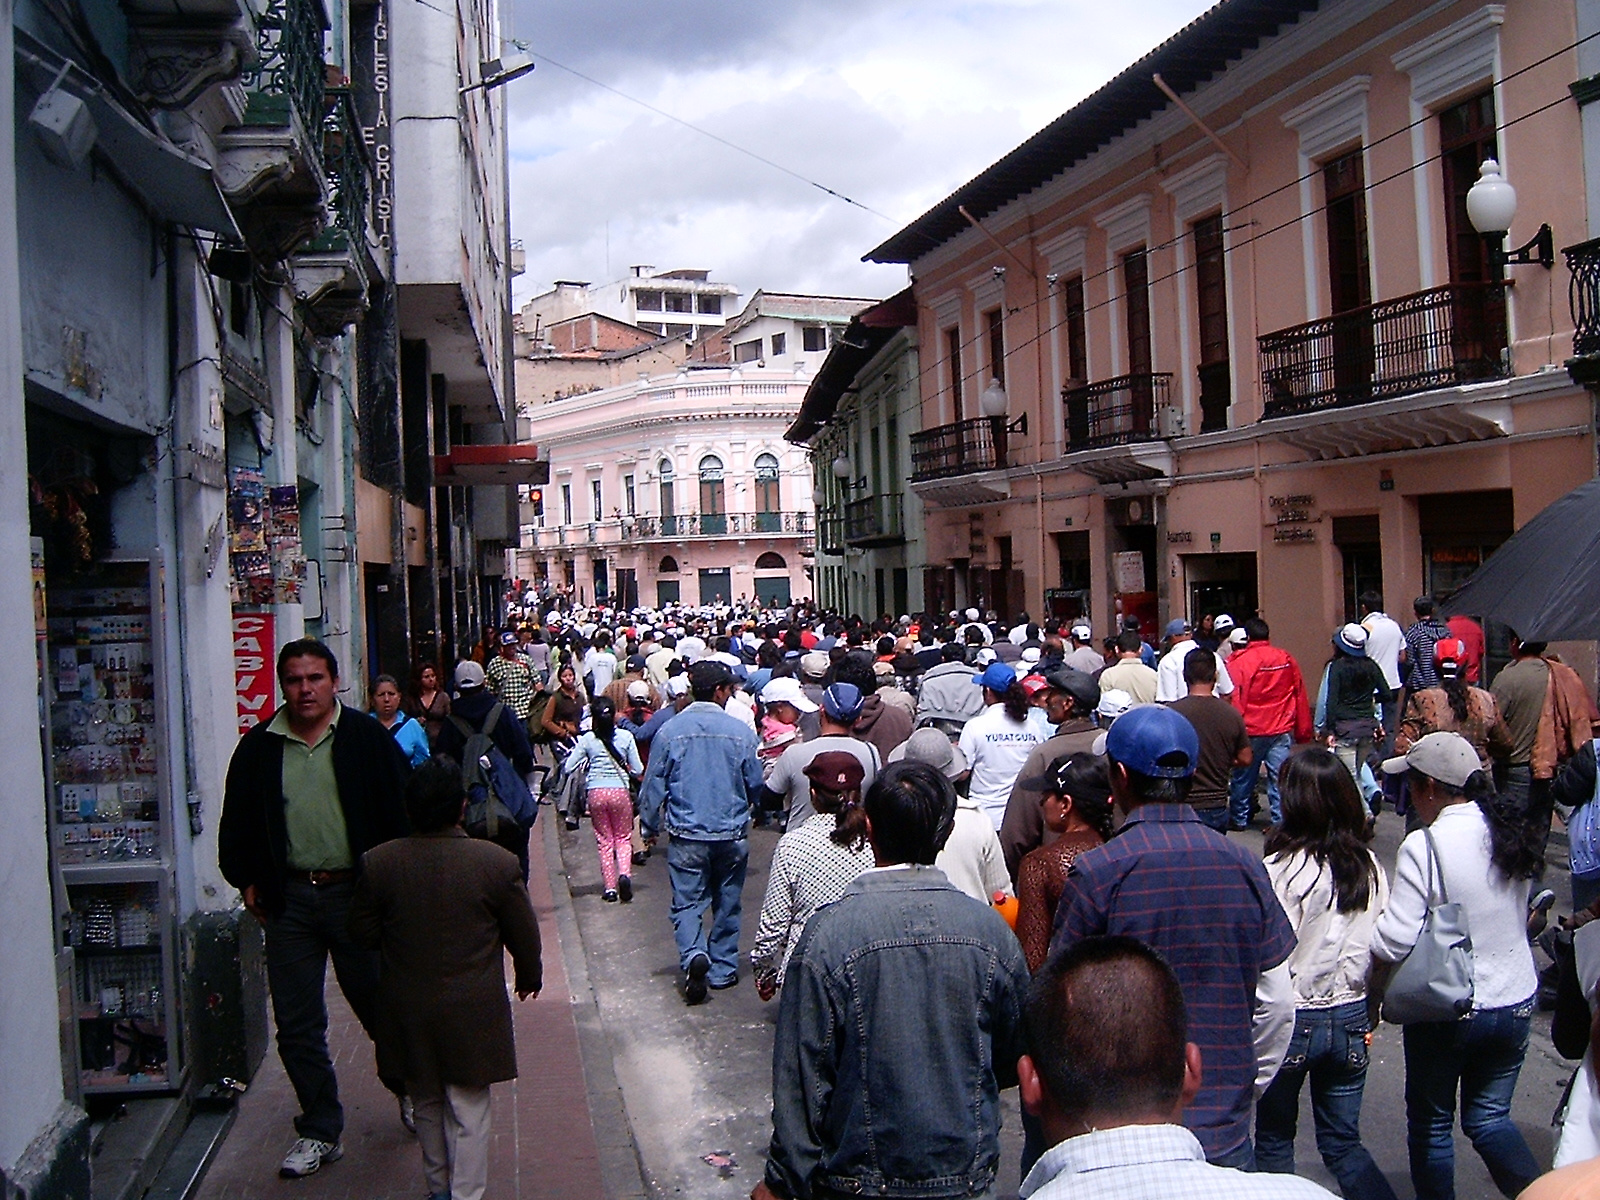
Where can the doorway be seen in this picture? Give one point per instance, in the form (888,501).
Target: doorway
(715,583)
(1221,583)
(1361,553)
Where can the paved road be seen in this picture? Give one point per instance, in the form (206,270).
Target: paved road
(696,1081)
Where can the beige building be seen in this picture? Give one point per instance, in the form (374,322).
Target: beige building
(1252,354)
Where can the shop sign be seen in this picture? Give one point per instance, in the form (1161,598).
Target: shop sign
(1176,537)
(253,651)
(1128,568)
(1294,533)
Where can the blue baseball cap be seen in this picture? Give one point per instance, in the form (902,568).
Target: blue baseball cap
(842,702)
(1150,738)
(997,677)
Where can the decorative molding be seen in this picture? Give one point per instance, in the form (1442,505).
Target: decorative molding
(1198,189)
(1461,55)
(1333,120)
(988,290)
(1128,224)
(1065,253)
(947,310)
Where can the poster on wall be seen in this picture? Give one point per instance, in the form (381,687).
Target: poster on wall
(266,555)
(254,650)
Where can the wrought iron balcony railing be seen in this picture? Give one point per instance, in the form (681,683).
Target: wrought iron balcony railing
(830,532)
(958,448)
(1583,295)
(1116,412)
(344,160)
(290,72)
(875,520)
(697,525)
(1442,337)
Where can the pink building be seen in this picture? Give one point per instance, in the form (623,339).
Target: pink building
(672,487)
(1263,360)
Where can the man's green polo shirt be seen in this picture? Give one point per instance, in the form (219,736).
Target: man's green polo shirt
(318,840)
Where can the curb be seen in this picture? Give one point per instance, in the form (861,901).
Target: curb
(621,1170)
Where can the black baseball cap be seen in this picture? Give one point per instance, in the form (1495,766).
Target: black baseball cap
(708,673)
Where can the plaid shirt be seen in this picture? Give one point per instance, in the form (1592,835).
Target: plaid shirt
(1150,1162)
(512,680)
(1207,906)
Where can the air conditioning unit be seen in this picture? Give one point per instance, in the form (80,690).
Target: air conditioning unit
(1169,421)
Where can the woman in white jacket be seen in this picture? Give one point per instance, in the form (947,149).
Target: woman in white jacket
(1332,889)
(1485,858)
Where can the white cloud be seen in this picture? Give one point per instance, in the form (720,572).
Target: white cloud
(891,102)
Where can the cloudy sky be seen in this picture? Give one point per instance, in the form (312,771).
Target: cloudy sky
(891,102)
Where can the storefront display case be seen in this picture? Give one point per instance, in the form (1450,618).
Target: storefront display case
(110,833)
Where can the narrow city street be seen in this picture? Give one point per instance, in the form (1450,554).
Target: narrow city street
(696,1081)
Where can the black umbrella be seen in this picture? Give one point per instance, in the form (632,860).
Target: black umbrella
(1544,581)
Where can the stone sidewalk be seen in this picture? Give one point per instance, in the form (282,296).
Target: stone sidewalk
(546,1142)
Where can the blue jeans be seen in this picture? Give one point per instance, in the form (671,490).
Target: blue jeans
(1481,1054)
(1330,1045)
(1269,750)
(708,875)
(1213,818)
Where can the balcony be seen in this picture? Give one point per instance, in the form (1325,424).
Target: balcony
(686,526)
(959,448)
(830,533)
(1583,296)
(330,270)
(1443,337)
(875,521)
(1117,412)
(271,166)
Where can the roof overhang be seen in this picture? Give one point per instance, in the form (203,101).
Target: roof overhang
(486,466)
(962,491)
(1122,464)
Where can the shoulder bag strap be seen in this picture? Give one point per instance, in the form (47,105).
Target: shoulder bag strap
(493,719)
(1433,862)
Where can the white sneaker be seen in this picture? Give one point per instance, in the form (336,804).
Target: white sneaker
(306,1157)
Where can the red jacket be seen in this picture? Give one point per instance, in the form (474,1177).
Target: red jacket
(1269,692)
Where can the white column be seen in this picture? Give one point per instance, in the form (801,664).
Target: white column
(30,1045)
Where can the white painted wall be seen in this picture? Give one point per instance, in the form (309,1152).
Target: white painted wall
(30,1055)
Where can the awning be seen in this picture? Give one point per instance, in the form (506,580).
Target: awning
(486,466)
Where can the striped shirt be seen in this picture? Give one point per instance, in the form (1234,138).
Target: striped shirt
(1207,906)
(1150,1162)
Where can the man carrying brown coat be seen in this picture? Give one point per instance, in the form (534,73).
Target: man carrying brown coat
(443,908)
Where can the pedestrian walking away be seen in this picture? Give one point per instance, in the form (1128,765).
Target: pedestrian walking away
(307,794)
(1206,905)
(1111,1093)
(899,1022)
(997,741)
(612,768)
(703,780)
(443,910)
(813,864)
(1270,693)
(1224,741)
(1475,850)
(1069,702)
(474,711)
(1332,890)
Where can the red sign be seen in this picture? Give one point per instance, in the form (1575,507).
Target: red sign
(253,650)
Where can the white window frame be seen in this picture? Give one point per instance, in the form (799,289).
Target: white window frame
(1326,124)
(1198,192)
(1126,227)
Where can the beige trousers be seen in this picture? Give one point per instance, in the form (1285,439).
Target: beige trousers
(453,1131)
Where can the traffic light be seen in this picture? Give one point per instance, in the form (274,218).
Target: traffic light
(537,497)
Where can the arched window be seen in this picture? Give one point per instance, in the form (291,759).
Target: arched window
(771,561)
(669,565)
(669,523)
(768,519)
(713,500)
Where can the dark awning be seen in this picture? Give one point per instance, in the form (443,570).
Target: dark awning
(1544,581)
(868,332)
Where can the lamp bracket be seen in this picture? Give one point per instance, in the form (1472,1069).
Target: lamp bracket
(1020,425)
(1537,250)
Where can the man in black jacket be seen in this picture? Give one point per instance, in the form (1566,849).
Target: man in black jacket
(471,707)
(308,793)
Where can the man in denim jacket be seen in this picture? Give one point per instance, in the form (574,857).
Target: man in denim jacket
(705,775)
(901,1020)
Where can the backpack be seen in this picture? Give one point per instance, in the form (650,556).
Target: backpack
(537,733)
(496,794)
(1583,832)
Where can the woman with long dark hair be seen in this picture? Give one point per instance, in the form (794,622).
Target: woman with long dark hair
(1332,889)
(1075,796)
(428,702)
(612,761)
(998,740)
(1474,847)
(1455,706)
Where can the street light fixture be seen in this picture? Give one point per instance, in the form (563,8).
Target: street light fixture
(496,73)
(842,471)
(1491,207)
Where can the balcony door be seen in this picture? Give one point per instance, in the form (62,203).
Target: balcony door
(713,498)
(669,522)
(1136,290)
(1478,334)
(1211,292)
(1349,275)
(768,517)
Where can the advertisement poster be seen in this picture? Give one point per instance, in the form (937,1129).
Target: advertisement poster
(253,653)
(266,556)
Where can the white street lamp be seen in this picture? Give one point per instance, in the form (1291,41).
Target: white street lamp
(992,402)
(1491,207)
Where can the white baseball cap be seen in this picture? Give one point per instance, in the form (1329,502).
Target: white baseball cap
(785,690)
(1222,622)
(1082,633)
(678,685)
(1447,757)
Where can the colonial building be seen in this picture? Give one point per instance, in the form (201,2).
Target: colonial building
(684,303)
(854,420)
(1223,337)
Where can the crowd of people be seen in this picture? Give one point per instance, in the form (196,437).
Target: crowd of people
(997,838)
